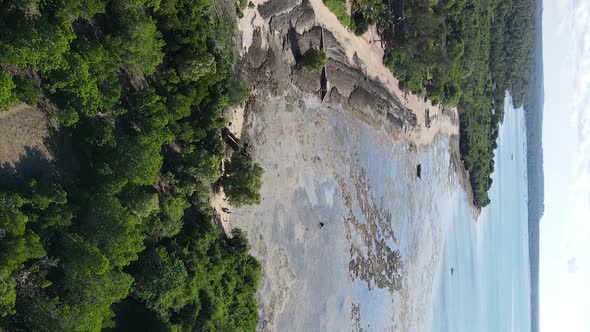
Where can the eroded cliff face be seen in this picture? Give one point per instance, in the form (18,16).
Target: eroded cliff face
(270,66)
(348,236)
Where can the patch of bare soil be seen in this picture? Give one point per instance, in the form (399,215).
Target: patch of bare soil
(24,132)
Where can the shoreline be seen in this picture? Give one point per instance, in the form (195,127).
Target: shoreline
(441,121)
(371,55)
(431,119)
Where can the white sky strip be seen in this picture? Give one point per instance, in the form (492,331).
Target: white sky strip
(565,229)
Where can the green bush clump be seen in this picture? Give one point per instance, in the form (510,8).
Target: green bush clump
(241,180)
(27,91)
(313,59)
(338,7)
(369,12)
(7,93)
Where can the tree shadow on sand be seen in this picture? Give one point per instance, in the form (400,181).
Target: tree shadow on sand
(32,164)
(60,165)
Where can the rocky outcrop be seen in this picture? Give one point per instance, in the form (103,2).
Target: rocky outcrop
(273,68)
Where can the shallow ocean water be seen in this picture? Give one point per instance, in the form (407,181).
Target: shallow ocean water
(349,238)
(490,287)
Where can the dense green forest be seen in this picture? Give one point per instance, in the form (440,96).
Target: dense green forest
(122,238)
(459,53)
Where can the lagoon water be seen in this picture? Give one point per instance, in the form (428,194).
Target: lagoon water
(490,287)
(350,239)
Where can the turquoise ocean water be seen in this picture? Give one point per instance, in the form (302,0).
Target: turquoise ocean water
(483,281)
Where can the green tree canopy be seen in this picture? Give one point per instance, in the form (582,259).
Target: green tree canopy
(103,242)
(314,59)
(113,229)
(161,280)
(7,86)
(241,180)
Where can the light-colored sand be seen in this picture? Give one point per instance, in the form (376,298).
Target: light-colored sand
(368,49)
(251,21)
(235,119)
(23,130)
(349,6)
(218,201)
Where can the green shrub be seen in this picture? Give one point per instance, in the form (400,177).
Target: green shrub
(161,280)
(169,222)
(338,7)
(27,91)
(368,12)
(7,86)
(240,7)
(314,59)
(241,180)
(359,24)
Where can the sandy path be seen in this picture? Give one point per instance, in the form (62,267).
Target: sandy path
(251,21)
(218,200)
